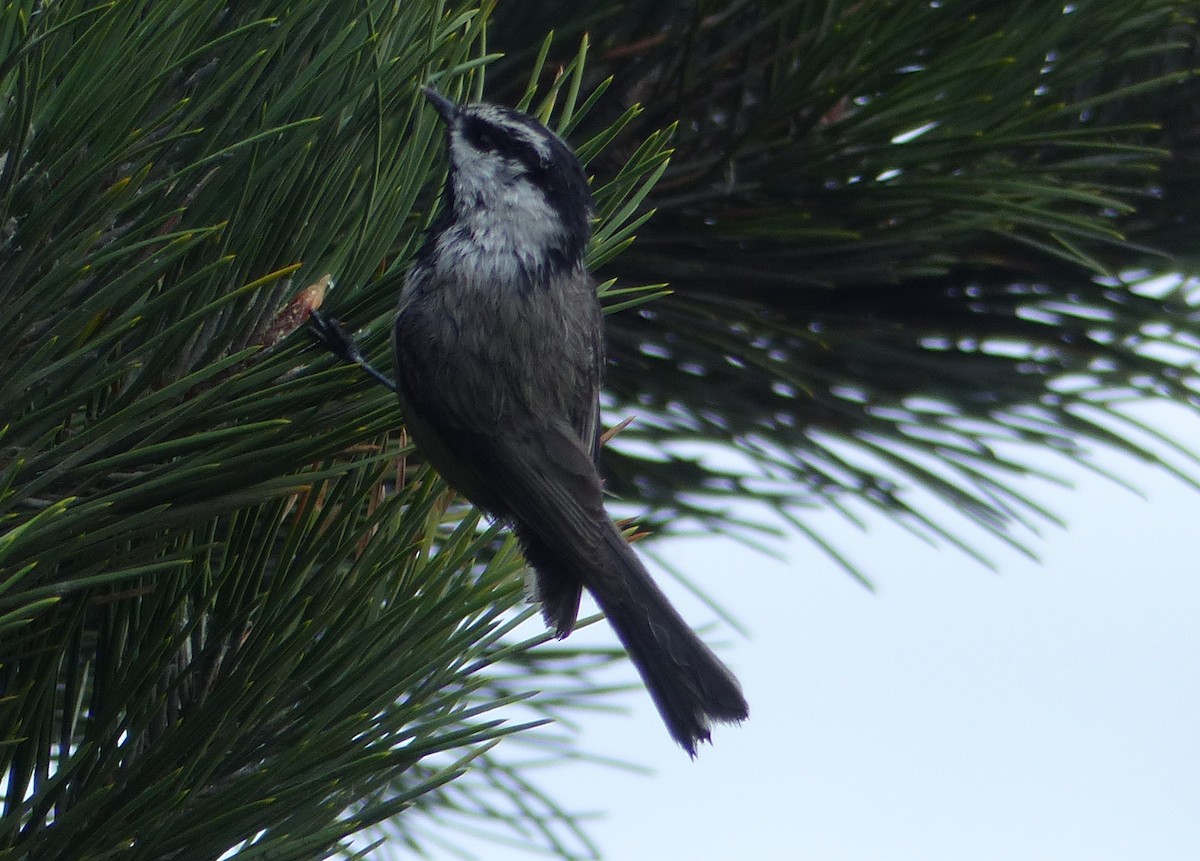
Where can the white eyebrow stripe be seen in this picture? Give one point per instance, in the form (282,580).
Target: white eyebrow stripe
(531,136)
(537,141)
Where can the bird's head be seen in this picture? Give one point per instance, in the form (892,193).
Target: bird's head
(505,165)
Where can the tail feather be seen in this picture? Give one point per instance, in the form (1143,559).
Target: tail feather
(688,683)
(558,585)
(546,483)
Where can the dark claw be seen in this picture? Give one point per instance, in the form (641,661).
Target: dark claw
(333,337)
(330,334)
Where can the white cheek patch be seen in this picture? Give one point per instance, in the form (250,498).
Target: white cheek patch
(501,212)
(510,239)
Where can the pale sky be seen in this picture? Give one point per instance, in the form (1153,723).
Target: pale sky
(1048,712)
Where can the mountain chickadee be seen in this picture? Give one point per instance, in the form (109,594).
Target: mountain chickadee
(498,348)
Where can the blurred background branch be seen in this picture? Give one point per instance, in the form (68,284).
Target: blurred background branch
(908,244)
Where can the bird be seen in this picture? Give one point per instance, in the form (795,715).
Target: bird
(499,352)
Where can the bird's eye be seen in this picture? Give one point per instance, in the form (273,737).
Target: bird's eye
(482,136)
(485,137)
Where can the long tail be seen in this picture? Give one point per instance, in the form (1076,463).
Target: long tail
(542,478)
(689,684)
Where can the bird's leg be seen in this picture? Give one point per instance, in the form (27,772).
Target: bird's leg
(337,340)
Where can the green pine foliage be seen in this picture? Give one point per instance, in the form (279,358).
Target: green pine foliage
(233,617)
(911,248)
(899,249)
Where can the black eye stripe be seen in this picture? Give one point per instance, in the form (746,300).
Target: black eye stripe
(486,137)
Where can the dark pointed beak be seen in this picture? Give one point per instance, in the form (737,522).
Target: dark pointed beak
(445,108)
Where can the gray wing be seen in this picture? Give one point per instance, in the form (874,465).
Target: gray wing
(501,393)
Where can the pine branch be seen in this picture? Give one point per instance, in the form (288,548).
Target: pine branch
(905,245)
(233,621)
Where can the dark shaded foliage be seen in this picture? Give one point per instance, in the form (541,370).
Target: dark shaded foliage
(895,235)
